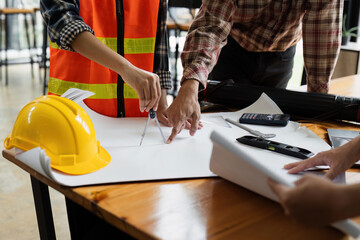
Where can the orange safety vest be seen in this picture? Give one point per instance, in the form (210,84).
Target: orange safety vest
(126,26)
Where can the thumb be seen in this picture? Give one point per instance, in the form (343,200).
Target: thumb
(279,189)
(331,174)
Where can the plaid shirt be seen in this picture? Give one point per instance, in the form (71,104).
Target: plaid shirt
(266,26)
(64,24)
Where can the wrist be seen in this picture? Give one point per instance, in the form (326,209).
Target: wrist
(355,146)
(349,200)
(163,104)
(190,86)
(122,65)
(351,151)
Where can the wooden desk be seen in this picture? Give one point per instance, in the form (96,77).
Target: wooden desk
(345,86)
(186,209)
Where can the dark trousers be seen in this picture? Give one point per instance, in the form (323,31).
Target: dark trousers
(270,69)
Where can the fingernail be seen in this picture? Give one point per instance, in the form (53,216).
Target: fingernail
(168,141)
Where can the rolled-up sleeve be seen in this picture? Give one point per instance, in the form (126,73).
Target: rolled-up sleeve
(206,37)
(322,38)
(63,21)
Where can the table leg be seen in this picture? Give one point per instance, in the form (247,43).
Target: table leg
(84,224)
(43,209)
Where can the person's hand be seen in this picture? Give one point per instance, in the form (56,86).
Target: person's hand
(314,201)
(146,85)
(338,159)
(185,110)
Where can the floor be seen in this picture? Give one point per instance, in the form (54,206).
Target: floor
(17,212)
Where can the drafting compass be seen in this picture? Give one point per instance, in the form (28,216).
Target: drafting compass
(152,115)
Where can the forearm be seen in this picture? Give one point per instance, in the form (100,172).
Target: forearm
(352,149)
(350,195)
(90,47)
(207,35)
(163,99)
(190,88)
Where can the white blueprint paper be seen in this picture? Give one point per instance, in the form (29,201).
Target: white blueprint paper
(186,157)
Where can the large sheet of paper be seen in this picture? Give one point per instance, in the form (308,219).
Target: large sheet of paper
(186,157)
(250,167)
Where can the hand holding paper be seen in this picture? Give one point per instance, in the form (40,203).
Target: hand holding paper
(339,159)
(250,168)
(314,201)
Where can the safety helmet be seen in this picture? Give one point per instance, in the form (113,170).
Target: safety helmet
(64,130)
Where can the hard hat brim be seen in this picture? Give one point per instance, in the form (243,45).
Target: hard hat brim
(99,161)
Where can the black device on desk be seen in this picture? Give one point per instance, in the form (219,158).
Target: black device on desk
(297,104)
(275,146)
(265,119)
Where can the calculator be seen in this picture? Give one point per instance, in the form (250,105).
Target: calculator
(265,119)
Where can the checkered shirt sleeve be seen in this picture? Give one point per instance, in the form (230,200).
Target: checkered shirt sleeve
(266,26)
(69,33)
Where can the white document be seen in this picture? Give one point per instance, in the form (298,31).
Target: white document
(249,167)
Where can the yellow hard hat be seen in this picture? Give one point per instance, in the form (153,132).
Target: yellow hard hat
(64,130)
